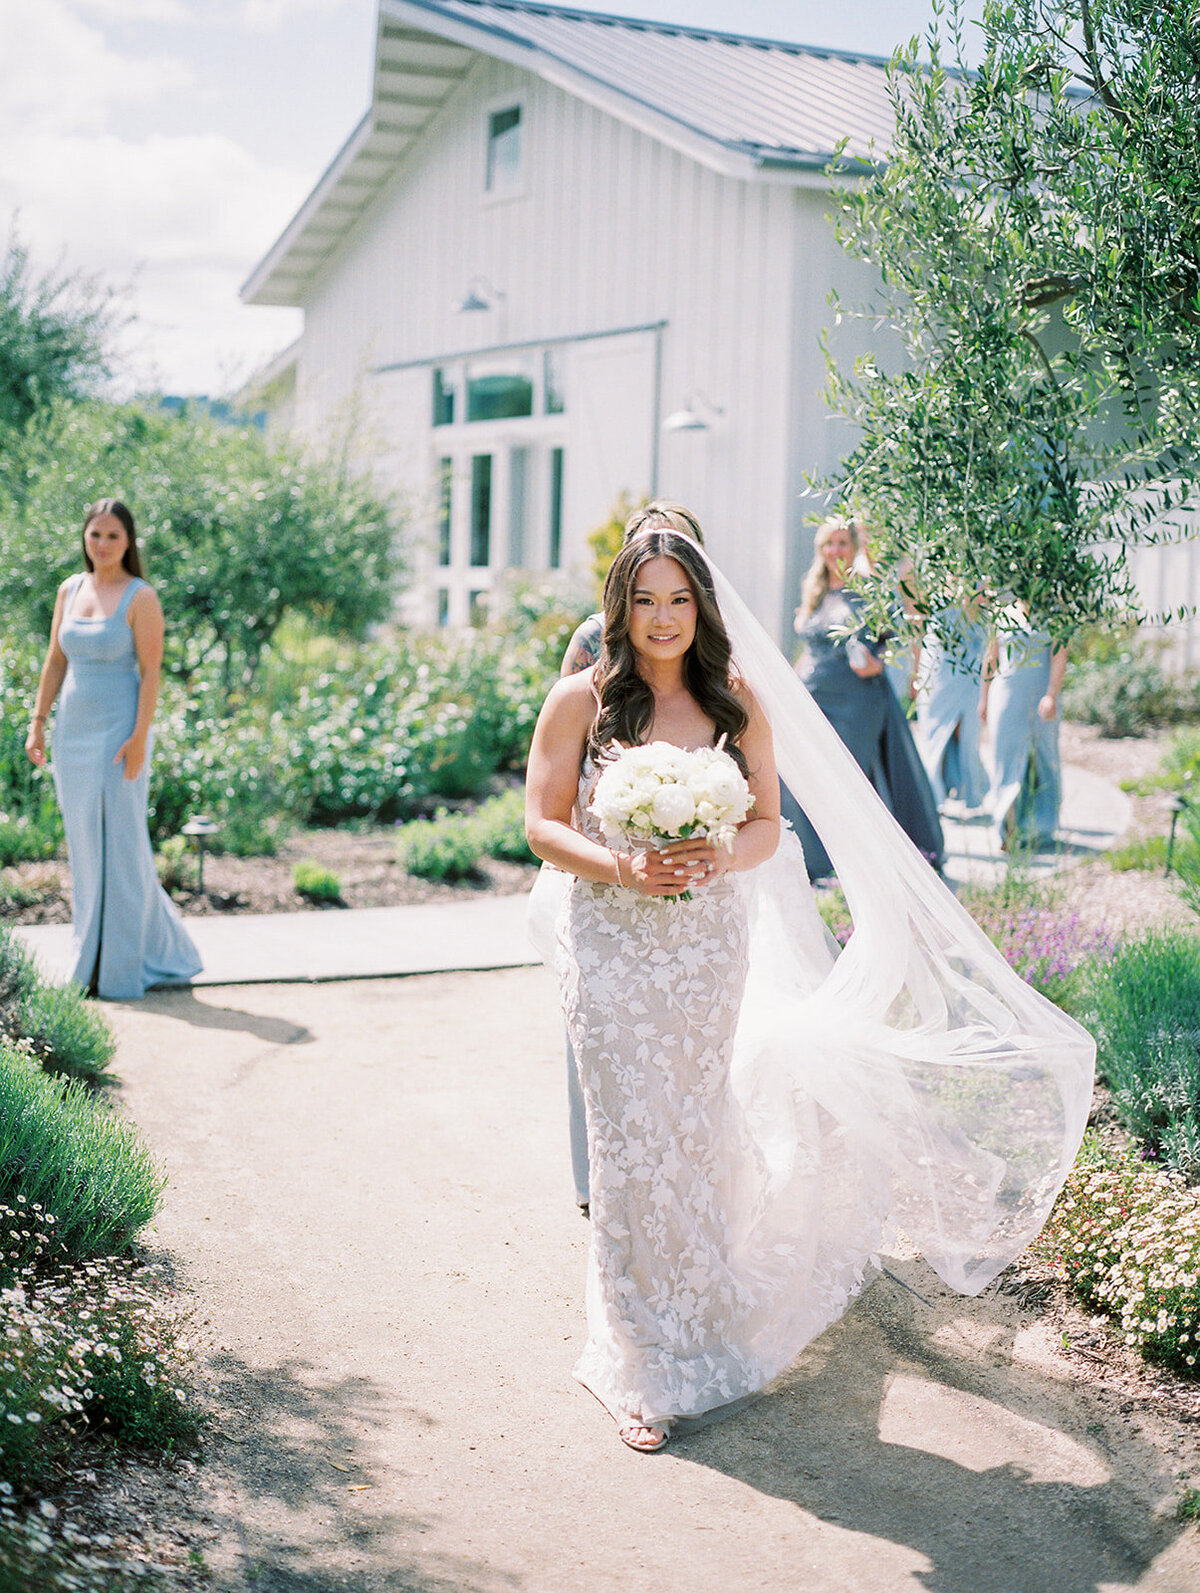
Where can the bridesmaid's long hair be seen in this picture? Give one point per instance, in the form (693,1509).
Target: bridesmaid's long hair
(131,560)
(626,711)
(816,579)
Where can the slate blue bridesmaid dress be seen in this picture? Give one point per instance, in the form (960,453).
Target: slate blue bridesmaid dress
(128,934)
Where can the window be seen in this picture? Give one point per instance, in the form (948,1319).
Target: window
(556,504)
(477,609)
(503,171)
(518,506)
(443,397)
(552,381)
(446,473)
(481,510)
(496,393)
(443,602)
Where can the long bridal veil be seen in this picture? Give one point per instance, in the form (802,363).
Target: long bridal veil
(957,1093)
(911,1083)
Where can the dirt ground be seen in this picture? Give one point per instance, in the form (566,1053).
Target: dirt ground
(364,859)
(348,1450)
(369,1200)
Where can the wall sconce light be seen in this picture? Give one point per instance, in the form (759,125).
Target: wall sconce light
(480,295)
(690,418)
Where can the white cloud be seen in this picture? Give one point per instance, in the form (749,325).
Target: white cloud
(137,10)
(59,73)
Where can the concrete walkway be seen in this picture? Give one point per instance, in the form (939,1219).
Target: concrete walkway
(489,932)
(369,1199)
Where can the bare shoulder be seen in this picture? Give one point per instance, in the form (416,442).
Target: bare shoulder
(145,601)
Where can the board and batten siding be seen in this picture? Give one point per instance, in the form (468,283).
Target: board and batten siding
(611,230)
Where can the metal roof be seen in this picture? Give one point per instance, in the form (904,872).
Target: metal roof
(752,108)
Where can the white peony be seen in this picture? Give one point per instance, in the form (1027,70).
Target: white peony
(672,807)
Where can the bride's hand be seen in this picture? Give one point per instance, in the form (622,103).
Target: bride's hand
(679,867)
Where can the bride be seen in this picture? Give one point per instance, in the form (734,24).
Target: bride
(762,1111)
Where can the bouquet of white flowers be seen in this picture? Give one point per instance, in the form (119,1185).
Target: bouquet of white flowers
(659,793)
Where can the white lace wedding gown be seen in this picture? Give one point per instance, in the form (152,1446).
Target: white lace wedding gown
(712,1263)
(764,1113)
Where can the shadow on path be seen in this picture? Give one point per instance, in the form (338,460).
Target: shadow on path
(181,1003)
(841,1436)
(306,1513)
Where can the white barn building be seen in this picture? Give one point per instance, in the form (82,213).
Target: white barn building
(565,257)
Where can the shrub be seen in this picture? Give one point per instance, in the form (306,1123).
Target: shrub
(1144,1008)
(27,839)
(1126,693)
(174,861)
(61,1030)
(100,1343)
(317,883)
(442,848)
(65,1151)
(499,827)
(65,1033)
(1127,1238)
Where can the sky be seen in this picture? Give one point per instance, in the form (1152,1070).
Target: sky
(162,146)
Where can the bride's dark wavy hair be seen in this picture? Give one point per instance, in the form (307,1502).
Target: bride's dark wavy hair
(626,711)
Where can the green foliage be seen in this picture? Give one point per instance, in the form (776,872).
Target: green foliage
(59,1028)
(1143,1006)
(54,333)
(1127,1238)
(30,826)
(62,1149)
(175,863)
(1039,253)
(605,540)
(317,883)
(499,827)
(442,848)
(65,1033)
(99,1343)
(235,533)
(1122,688)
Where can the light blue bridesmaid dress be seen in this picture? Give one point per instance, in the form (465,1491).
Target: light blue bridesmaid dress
(1026,790)
(948,709)
(127,932)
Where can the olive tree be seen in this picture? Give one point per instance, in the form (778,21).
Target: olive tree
(1036,230)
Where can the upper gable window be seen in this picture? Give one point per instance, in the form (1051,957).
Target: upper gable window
(503,169)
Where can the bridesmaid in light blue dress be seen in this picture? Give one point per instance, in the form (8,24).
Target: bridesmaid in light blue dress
(105,655)
(949,680)
(1022,680)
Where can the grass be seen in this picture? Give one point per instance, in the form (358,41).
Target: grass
(66,1152)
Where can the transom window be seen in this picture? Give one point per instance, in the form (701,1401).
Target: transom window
(502,387)
(503,170)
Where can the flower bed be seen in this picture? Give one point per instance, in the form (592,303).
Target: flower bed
(1127,1239)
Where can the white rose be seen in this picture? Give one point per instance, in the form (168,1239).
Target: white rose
(672,808)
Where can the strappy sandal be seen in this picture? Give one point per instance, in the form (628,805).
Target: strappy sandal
(648,1445)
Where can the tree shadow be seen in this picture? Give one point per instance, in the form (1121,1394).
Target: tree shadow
(842,1436)
(288,1446)
(181,1003)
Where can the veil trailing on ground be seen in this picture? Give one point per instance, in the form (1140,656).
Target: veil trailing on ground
(911,1083)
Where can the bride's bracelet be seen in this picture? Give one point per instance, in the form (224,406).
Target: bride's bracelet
(620,881)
